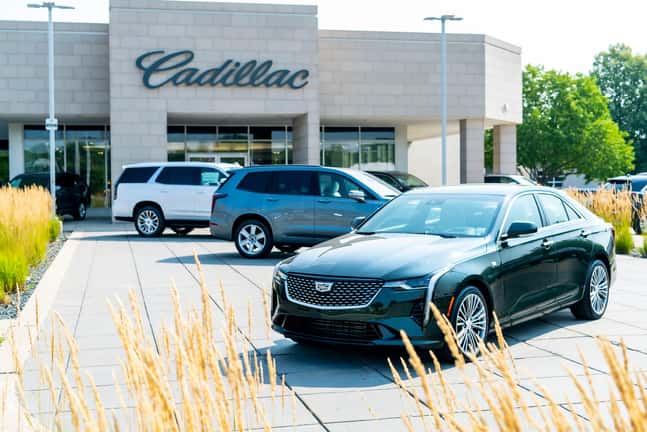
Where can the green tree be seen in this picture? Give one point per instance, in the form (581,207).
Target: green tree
(567,128)
(622,77)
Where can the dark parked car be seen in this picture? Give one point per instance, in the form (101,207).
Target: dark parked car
(637,185)
(400,180)
(72,193)
(509,179)
(472,250)
(289,206)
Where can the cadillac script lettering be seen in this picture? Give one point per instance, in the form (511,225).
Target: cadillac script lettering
(160,68)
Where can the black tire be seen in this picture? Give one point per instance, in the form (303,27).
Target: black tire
(596,293)
(467,295)
(287,248)
(80,212)
(253,239)
(149,221)
(182,231)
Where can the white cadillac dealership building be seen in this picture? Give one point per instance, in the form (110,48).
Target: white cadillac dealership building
(254,84)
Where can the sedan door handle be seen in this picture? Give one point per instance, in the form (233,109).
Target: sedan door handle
(546,244)
(585,233)
(323,201)
(271,199)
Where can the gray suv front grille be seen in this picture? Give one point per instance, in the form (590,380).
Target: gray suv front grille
(344,293)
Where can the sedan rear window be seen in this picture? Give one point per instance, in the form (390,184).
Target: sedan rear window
(445,215)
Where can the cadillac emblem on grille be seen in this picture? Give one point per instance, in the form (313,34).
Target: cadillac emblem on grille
(323,287)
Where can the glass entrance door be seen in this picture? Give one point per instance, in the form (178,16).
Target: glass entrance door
(87,153)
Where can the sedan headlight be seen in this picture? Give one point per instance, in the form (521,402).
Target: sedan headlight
(409,284)
(278,275)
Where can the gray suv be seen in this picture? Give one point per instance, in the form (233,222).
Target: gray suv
(290,206)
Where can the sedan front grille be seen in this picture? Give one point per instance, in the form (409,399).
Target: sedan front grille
(342,294)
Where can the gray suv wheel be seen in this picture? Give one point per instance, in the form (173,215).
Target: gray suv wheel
(253,239)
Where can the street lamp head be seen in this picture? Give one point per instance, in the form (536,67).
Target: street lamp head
(49,5)
(444,18)
(34,5)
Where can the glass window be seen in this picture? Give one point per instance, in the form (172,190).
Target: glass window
(268,145)
(255,182)
(201,139)
(335,186)
(553,209)
(176,144)
(180,176)
(210,177)
(36,148)
(292,183)
(137,175)
(378,148)
(4,161)
(409,180)
(444,215)
(391,181)
(86,153)
(523,209)
(341,147)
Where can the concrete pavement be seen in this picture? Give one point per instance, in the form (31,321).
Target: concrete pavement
(337,389)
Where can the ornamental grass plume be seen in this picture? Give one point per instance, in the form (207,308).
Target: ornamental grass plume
(25,231)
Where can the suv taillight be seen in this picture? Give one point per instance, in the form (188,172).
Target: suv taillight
(216,196)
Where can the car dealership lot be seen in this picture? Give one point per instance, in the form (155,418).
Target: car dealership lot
(337,389)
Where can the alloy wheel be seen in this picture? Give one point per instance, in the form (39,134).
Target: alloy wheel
(599,289)
(471,323)
(252,239)
(82,210)
(148,222)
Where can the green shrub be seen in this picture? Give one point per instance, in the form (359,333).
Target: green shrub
(3,296)
(624,241)
(14,270)
(54,229)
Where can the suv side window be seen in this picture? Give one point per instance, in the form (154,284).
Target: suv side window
(255,182)
(335,186)
(137,174)
(523,209)
(171,175)
(292,183)
(553,209)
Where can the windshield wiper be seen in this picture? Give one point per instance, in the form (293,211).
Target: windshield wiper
(443,235)
(365,232)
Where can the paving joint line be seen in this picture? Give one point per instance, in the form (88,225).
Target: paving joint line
(242,333)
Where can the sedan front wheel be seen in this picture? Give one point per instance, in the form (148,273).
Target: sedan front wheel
(470,319)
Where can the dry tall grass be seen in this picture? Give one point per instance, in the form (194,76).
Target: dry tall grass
(25,230)
(615,207)
(193,383)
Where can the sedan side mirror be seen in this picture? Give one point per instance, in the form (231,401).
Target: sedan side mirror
(357,195)
(357,222)
(518,229)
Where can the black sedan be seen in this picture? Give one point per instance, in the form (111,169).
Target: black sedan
(519,251)
(72,193)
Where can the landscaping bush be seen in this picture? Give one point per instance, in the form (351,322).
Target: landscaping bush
(613,206)
(54,229)
(25,231)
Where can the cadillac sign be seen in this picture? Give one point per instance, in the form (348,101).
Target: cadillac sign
(160,68)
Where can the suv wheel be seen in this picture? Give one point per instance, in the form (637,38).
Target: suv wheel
(80,212)
(253,239)
(149,221)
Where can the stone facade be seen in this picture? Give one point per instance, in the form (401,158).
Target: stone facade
(355,79)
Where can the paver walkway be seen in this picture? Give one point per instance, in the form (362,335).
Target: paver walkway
(337,390)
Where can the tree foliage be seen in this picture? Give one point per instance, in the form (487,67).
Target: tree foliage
(567,128)
(622,77)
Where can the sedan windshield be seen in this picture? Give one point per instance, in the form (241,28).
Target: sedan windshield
(445,215)
(410,180)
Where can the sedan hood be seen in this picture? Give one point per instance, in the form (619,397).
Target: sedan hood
(383,256)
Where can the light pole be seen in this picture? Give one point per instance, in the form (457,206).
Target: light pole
(443,90)
(51,123)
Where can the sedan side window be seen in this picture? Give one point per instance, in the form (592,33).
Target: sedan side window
(523,209)
(553,209)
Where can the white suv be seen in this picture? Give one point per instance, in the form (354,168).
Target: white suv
(167,194)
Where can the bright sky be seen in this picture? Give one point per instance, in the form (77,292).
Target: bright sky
(560,34)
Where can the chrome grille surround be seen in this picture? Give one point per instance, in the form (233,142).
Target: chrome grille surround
(346,293)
